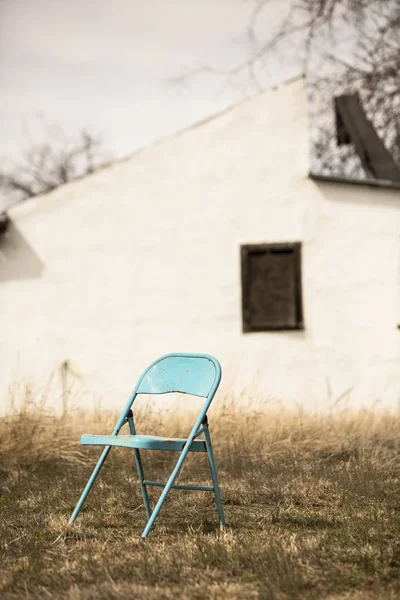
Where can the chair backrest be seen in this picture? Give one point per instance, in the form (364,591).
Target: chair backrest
(195,374)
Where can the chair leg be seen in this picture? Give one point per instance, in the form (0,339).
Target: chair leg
(143,488)
(139,467)
(167,488)
(214,477)
(89,484)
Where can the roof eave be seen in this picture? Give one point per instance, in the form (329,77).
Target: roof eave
(381,183)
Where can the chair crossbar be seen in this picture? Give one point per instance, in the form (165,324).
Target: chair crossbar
(202,488)
(199,432)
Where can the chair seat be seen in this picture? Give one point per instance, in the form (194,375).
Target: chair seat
(144,442)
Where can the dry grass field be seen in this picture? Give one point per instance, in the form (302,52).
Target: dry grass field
(312,506)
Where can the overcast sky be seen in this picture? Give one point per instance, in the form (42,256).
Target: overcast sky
(103,64)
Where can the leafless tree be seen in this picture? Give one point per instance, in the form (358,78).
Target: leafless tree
(349,46)
(369,66)
(46,165)
(352,46)
(306,17)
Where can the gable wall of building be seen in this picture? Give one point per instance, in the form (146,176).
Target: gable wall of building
(143,258)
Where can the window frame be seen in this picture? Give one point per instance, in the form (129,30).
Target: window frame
(274,248)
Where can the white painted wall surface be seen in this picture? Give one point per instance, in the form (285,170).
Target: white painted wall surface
(142,259)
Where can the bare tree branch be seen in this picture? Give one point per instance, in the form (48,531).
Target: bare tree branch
(349,46)
(46,165)
(372,69)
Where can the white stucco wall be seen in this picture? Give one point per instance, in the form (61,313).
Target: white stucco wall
(142,259)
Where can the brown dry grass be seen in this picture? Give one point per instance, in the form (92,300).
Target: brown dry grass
(312,505)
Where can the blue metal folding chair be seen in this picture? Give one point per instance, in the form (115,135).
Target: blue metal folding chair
(195,374)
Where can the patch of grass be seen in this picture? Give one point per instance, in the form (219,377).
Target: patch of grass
(311,503)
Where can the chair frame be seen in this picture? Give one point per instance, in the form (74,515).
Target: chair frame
(200,427)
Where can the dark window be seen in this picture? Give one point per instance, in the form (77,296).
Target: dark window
(271,287)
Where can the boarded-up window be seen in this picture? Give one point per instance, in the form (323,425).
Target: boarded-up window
(271,287)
